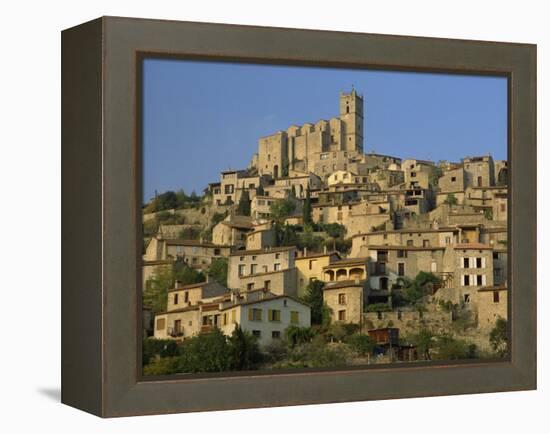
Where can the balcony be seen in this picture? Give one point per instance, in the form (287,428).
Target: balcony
(174,332)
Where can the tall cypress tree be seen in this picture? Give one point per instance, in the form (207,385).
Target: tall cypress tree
(306,210)
(244,204)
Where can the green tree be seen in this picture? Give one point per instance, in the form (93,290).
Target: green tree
(451,200)
(217,217)
(498,337)
(243,208)
(281,209)
(415,290)
(244,350)
(298,335)
(187,275)
(314,297)
(154,348)
(189,234)
(163,366)
(450,348)
(218,270)
(156,289)
(424,342)
(206,352)
(361,344)
(306,210)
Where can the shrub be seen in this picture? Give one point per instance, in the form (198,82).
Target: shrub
(206,352)
(378,307)
(164,366)
(153,348)
(243,350)
(298,335)
(361,344)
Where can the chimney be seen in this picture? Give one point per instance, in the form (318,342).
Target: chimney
(305,251)
(325,249)
(207,278)
(177,284)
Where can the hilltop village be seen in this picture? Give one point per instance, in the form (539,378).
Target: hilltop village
(315,242)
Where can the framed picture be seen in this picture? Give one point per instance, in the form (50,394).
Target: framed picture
(260,217)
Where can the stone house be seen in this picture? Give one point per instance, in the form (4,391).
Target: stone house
(345,300)
(232,231)
(417,173)
(479,171)
(233,183)
(500,207)
(491,303)
(473,264)
(260,239)
(194,253)
(247,263)
(452,181)
(186,306)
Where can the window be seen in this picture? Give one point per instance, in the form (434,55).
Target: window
(176,298)
(502,207)
(453,178)
(312,263)
(186,297)
(241,269)
(401,253)
(257,333)
(447,240)
(294,317)
(401,269)
(254,314)
(341,315)
(339,216)
(466,280)
(479,280)
(267,285)
(466,298)
(224,321)
(253,268)
(496,297)
(413,174)
(275,334)
(341,298)
(217,252)
(425,243)
(250,286)
(233,316)
(479,263)
(274,315)
(253,258)
(277,255)
(177,326)
(161,323)
(276,267)
(466,262)
(241,258)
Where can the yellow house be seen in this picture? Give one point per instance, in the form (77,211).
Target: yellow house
(310,267)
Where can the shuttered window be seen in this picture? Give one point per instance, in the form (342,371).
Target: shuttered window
(294,317)
(274,315)
(161,323)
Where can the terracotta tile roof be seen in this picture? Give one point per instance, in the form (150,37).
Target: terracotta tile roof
(473,246)
(318,255)
(344,284)
(194,243)
(346,262)
(493,288)
(262,251)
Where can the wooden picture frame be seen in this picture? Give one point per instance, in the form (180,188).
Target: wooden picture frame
(101,230)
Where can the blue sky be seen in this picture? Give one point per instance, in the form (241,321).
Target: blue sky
(203,117)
